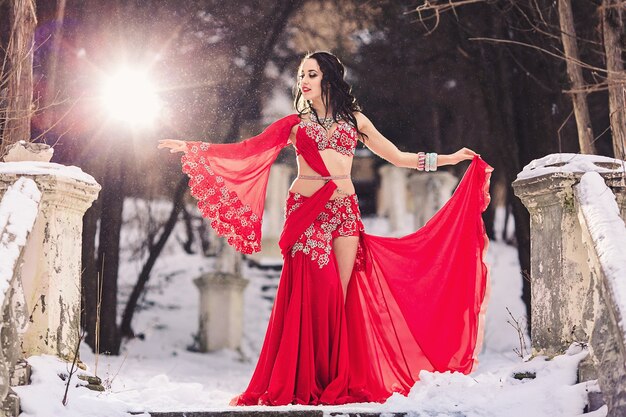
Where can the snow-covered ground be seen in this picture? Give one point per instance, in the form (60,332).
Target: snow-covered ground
(157,372)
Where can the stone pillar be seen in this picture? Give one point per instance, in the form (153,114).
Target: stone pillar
(428,192)
(274,215)
(392,198)
(19,207)
(221,311)
(51,268)
(562,291)
(559,271)
(221,303)
(228,260)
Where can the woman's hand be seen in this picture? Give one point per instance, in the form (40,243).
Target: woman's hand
(454,158)
(173,145)
(462,155)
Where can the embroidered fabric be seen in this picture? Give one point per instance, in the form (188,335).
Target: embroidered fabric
(229,181)
(229,216)
(343,139)
(340,217)
(416,302)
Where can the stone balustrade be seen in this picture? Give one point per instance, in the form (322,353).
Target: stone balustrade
(41,214)
(604,237)
(19,207)
(50,270)
(570,299)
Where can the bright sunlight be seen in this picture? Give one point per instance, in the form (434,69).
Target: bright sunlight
(130,96)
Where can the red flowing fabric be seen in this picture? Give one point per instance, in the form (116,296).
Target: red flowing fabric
(230,180)
(417,302)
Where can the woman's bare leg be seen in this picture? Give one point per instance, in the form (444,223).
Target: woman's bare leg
(345,252)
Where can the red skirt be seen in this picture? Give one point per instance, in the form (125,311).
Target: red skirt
(413,303)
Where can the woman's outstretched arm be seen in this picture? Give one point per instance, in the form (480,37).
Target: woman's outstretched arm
(384,148)
(173,145)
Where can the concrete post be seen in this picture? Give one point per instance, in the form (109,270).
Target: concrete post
(560,277)
(428,192)
(392,198)
(220,323)
(51,269)
(221,311)
(562,290)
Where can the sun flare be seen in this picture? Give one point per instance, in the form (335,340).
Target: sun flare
(130,96)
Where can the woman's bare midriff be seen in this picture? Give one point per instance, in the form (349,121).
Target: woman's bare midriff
(337,164)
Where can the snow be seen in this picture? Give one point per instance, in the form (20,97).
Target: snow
(45,168)
(608,232)
(18,211)
(552,393)
(571,162)
(43,396)
(157,372)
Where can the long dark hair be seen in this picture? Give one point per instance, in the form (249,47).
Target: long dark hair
(336,92)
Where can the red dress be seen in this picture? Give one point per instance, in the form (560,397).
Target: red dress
(413,303)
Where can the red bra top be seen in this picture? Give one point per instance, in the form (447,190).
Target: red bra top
(343,139)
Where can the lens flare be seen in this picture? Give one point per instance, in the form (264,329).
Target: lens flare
(130,96)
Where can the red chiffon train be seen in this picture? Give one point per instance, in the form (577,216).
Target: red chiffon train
(413,303)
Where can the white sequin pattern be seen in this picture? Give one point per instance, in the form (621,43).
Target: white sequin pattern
(338,219)
(343,139)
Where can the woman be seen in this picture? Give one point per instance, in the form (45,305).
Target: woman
(356,316)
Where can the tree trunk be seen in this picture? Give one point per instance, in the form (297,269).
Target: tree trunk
(18,74)
(203,232)
(613,29)
(187,246)
(155,250)
(112,195)
(90,275)
(574,71)
(53,63)
(514,103)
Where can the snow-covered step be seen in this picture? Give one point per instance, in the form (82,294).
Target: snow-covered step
(293,413)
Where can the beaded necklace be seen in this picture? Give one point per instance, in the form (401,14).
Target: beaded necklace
(326,122)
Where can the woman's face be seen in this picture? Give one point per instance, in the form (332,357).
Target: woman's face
(310,80)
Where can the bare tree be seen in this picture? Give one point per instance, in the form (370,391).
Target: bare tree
(53,63)
(525,90)
(16,83)
(611,78)
(276,22)
(612,15)
(574,71)
(155,250)
(278,16)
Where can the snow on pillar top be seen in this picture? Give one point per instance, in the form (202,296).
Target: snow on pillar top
(571,163)
(45,168)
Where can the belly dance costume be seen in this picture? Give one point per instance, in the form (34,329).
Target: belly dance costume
(413,303)
(340,216)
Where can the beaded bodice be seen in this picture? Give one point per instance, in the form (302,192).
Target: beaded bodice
(343,139)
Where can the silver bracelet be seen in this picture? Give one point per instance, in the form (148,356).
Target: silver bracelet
(431,162)
(421,161)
